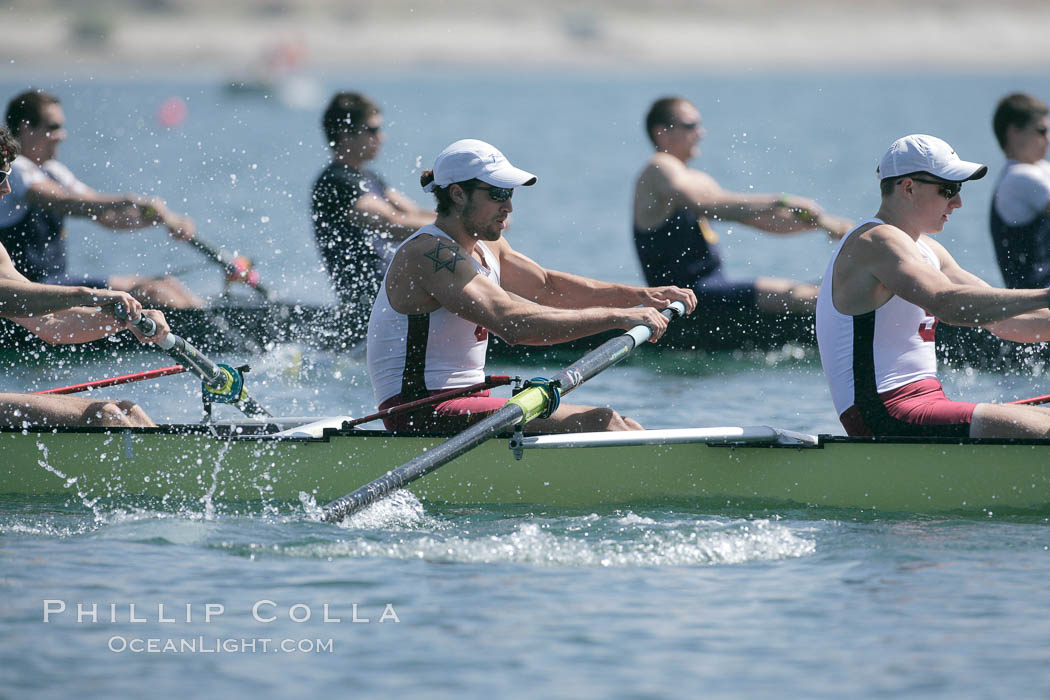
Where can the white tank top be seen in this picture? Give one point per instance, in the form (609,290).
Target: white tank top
(416,353)
(878,351)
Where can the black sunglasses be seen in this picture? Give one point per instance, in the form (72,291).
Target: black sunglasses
(3,176)
(497,194)
(688,126)
(947,189)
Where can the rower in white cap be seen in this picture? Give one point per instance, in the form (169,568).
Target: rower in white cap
(885,289)
(454,282)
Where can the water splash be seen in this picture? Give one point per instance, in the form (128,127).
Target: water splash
(592,541)
(208,498)
(399,510)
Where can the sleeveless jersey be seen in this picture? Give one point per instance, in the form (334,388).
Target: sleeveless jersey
(355,255)
(1019,224)
(874,352)
(32,235)
(682,250)
(413,354)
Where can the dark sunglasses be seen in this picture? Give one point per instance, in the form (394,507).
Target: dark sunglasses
(497,194)
(688,126)
(947,189)
(3,176)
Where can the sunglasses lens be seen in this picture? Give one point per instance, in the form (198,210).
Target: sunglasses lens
(501,194)
(3,176)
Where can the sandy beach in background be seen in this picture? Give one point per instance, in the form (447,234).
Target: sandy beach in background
(171,36)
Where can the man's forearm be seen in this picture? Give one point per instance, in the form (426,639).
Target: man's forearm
(95,204)
(1032,327)
(546,326)
(18,298)
(567,291)
(78,325)
(974,304)
(742,208)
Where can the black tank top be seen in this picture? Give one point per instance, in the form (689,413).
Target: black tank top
(1023,251)
(37,244)
(681,251)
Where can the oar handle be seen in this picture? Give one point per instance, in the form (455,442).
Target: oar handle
(148,327)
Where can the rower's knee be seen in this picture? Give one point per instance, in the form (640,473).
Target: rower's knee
(774,295)
(167,292)
(609,419)
(108,414)
(632,424)
(120,414)
(135,414)
(1010,421)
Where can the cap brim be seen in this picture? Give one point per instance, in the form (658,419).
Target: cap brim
(508,177)
(963,170)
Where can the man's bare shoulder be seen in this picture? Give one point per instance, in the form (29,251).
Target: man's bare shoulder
(867,243)
(876,234)
(661,168)
(428,254)
(6,264)
(878,246)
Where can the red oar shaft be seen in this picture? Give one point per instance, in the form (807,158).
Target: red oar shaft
(113,381)
(1034,401)
(490,381)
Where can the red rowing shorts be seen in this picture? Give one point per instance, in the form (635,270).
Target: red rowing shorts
(916,409)
(449,416)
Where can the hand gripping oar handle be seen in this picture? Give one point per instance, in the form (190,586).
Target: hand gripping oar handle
(221,382)
(526,405)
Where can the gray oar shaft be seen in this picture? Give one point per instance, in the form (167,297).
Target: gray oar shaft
(178,348)
(605,355)
(423,464)
(194,360)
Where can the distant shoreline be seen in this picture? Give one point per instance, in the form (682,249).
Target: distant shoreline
(750,36)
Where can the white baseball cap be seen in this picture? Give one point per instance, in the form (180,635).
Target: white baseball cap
(923,153)
(468,159)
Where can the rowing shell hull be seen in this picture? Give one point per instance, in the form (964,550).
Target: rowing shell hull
(191,463)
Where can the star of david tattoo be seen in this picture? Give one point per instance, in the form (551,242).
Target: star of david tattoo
(450,263)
